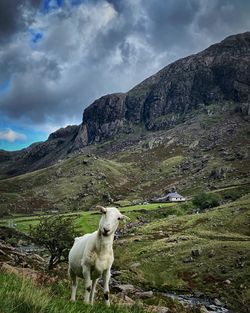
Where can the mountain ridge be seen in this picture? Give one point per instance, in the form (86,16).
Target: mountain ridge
(217,74)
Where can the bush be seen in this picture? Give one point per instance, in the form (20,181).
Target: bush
(206,200)
(56,233)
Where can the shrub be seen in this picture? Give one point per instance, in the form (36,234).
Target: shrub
(56,233)
(206,200)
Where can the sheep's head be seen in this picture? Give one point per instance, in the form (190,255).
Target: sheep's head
(110,220)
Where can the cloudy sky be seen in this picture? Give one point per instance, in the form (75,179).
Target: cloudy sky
(57,56)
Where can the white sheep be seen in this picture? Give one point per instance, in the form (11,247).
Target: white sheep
(92,255)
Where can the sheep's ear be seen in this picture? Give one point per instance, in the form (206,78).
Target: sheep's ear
(102,209)
(124,217)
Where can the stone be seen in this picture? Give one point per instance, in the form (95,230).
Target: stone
(196,253)
(162,310)
(116,273)
(128,300)
(136,264)
(227,281)
(144,294)
(126,288)
(203,309)
(188,260)
(218,302)
(211,253)
(218,173)
(107,197)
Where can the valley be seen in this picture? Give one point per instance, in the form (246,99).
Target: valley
(184,128)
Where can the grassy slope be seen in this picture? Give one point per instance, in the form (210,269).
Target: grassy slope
(184,156)
(18,295)
(69,185)
(164,247)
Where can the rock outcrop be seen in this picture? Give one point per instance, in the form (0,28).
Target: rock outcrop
(219,73)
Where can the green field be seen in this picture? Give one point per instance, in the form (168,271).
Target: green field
(87,221)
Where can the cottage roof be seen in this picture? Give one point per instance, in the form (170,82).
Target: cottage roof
(174,195)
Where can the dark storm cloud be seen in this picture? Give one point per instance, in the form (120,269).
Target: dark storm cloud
(15,15)
(66,54)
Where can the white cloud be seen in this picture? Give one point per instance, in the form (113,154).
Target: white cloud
(11,136)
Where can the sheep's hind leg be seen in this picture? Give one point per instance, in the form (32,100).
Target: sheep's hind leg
(106,278)
(73,286)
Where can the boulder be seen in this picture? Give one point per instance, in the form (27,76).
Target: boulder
(196,253)
(144,294)
(126,288)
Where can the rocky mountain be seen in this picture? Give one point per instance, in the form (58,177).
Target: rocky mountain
(219,74)
(216,74)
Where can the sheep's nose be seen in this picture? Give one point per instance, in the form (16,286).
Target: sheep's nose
(106,230)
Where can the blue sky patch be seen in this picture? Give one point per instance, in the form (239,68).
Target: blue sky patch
(50,5)
(29,135)
(36,36)
(4,87)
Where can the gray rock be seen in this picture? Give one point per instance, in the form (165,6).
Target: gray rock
(116,273)
(218,173)
(204,310)
(144,294)
(128,300)
(218,302)
(211,253)
(137,264)
(196,253)
(188,259)
(126,288)
(162,309)
(107,197)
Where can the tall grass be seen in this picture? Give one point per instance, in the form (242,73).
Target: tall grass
(19,295)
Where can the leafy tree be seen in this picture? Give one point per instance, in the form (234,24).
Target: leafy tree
(56,233)
(206,200)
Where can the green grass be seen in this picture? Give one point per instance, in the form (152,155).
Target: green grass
(88,221)
(18,295)
(162,246)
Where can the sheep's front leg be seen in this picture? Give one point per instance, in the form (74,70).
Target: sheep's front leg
(106,278)
(92,294)
(88,283)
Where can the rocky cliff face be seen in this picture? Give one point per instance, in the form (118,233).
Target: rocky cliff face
(219,73)
(102,119)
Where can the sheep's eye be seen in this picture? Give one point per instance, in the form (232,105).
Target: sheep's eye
(118,218)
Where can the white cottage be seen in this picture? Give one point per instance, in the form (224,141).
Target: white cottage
(172,196)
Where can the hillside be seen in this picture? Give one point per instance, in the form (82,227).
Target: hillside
(171,97)
(208,151)
(171,252)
